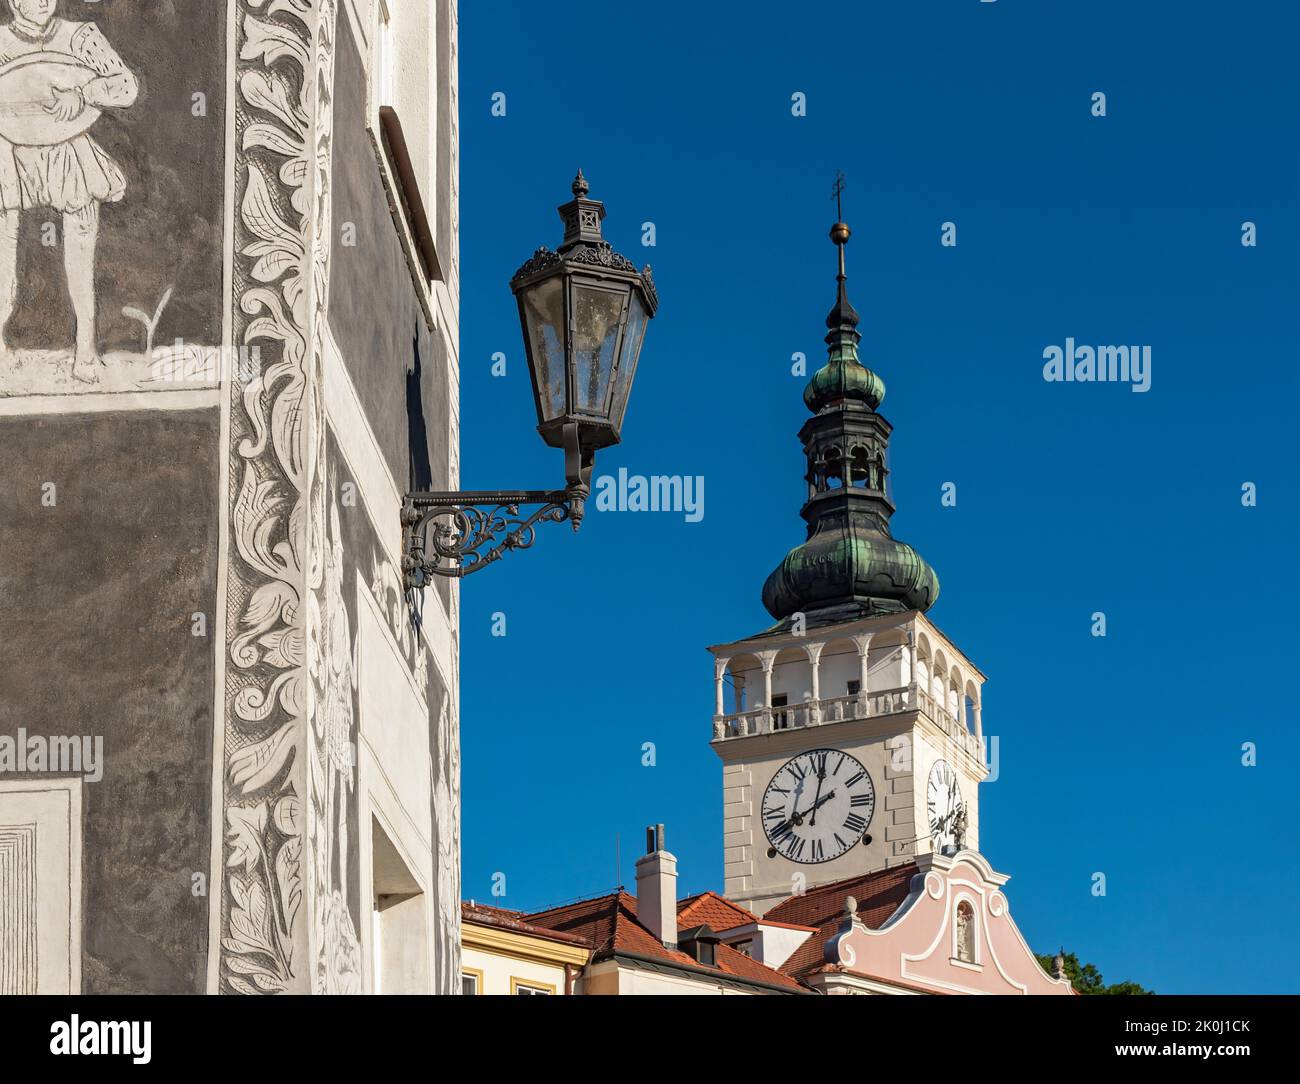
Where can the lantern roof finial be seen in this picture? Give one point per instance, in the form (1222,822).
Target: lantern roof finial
(581,216)
(843,315)
(843,378)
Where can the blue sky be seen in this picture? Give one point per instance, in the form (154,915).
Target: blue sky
(1119,755)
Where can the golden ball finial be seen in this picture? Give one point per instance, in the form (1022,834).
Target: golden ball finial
(840,233)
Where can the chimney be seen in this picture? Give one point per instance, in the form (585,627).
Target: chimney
(656,888)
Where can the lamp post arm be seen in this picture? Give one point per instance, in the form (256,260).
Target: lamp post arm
(467,530)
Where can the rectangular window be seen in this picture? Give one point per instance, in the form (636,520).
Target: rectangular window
(469,981)
(855,687)
(531,990)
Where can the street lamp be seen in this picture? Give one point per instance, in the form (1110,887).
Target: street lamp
(583,310)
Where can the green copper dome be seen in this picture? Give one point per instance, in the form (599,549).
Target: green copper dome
(838,565)
(850,565)
(838,380)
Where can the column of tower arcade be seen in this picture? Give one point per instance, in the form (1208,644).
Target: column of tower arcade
(817,670)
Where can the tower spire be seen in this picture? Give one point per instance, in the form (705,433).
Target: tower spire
(850,565)
(843,315)
(843,378)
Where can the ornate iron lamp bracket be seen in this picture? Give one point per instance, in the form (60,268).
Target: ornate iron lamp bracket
(455,533)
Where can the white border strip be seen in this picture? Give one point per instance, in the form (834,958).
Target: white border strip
(106,402)
(217,843)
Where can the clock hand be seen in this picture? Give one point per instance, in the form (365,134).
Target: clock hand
(796,816)
(824,799)
(820,776)
(793,819)
(817,805)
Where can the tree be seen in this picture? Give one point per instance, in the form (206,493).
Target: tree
(1086,979)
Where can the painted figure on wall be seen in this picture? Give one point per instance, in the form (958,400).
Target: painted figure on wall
(56,77)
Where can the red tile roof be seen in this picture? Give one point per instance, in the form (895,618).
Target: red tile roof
(708,907)
(482,915)
(610,926)
(879,895)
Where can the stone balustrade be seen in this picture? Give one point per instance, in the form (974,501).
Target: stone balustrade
(767,720)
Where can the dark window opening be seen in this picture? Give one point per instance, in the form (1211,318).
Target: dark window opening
(860,469)
(701,944)
(780,717)
(834,469)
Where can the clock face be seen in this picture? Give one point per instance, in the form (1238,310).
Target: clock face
(817,806)
(943,804)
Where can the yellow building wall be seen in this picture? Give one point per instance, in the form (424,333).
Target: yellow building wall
(498,972)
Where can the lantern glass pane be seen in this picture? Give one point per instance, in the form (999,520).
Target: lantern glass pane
(596,316)
(632,337)
(544,315)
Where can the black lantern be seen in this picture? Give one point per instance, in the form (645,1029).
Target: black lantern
(584,310)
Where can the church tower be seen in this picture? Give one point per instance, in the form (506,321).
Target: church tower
(853,740)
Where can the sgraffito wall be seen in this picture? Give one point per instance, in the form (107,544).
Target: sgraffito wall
(180,567)
(112,154)
(112,204)
(350,406)
(106,558)
(395,358)
(393,362)
(360,572)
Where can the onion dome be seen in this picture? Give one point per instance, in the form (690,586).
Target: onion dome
(850,565)
(841,565)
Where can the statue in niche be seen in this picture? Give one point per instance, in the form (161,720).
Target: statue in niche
(56,78)
(965,932)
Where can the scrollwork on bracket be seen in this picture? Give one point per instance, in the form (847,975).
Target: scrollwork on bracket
(473,531)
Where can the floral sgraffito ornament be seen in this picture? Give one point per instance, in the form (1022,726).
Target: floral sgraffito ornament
(333,684)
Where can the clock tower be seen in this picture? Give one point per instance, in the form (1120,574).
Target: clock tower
(853,738)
